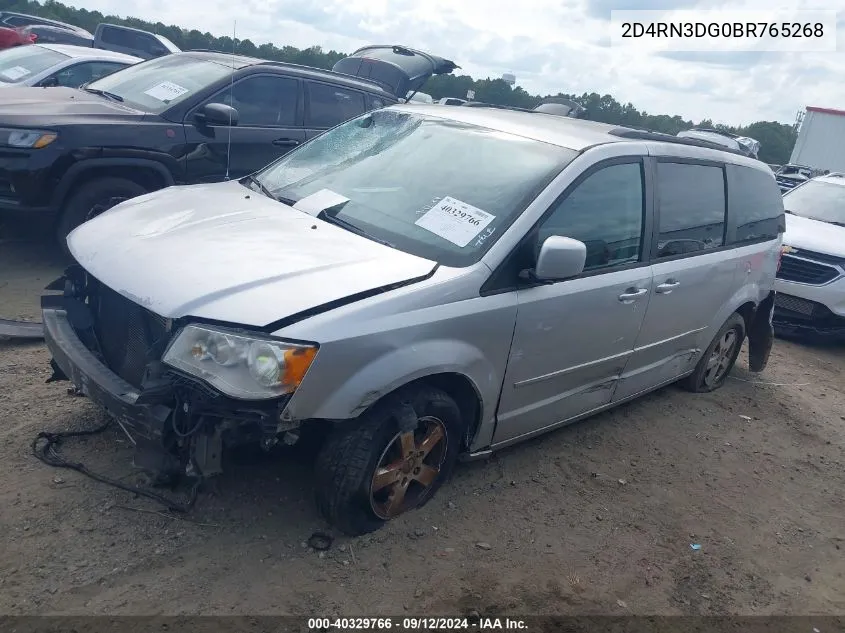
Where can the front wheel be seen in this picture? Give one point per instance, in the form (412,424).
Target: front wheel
(92,198)
(719,358)
(390,461)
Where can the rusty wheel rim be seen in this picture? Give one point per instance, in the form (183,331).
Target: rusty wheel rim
(408,468)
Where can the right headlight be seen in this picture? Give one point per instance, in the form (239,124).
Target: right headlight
(27,139)
(242,366)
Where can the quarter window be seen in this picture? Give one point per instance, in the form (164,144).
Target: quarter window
(692,208)
(756,205)
(605,211)
(330,105)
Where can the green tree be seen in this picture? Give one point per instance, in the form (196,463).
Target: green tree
(776,139)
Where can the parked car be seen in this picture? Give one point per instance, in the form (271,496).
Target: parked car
(417,284)
(129,41)
(791,175)
(452,101)
(11,38)
(49,65)
(113,37)
(14,19)
(746,145)
(418,97)
(811,280)
(167,121)
(48,34)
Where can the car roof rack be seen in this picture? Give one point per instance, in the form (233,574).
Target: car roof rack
(482,104)
(642,134)
(714,131)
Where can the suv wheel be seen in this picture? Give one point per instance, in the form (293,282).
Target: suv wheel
(719,358)
(376,470)
(91,199)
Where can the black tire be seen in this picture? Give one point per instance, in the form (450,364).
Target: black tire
(349,460)
(94,196)
(700,381)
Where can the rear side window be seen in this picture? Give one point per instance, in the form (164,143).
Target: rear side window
(111,35)
(755,205)
(330,105)
(691,200)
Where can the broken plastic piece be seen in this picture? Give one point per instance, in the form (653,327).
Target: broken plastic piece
(695,546)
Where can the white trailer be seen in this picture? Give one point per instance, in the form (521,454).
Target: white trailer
(821,140)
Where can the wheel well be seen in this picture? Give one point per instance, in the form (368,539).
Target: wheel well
(148,178)
(463,392)
(746,311)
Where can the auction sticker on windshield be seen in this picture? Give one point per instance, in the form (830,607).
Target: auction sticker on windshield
(166,91)
(455,221)
(16,72)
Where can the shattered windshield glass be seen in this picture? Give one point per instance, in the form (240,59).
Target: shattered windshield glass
(430,186)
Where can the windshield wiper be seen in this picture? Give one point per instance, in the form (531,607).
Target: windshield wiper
(261,187)
(333,219)
(104,93)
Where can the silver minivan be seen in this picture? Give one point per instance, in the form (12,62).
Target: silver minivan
(417,285)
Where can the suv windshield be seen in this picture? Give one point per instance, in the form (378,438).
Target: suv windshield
(817,200)
(429,186)
(22,62)
(160,83)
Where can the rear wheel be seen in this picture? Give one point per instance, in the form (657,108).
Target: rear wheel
(91,199)
(719,358)
(381,468)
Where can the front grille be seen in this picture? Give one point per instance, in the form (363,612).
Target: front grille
(806,272)
(786,184)
(130,336)
(795,304)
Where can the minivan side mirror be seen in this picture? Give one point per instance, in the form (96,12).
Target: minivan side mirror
(217,114)
(560,258)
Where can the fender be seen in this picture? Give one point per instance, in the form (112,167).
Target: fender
(72,174)
(399,367)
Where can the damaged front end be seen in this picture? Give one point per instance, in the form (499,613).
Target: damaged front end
(111,349)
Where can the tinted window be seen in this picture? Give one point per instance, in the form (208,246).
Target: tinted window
(262,100)
(396,170)
(76,75)
(692,208)
(755,204)
(19,21)
(605,211)
(118,37)
(330,105)
(376,103)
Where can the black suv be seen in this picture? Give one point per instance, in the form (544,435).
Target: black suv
(185,118)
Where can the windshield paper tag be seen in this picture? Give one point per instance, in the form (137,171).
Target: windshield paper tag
(15,72)
(320,201)
(455,221)
(166,91)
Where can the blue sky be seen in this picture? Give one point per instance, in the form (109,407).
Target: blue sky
(550,45)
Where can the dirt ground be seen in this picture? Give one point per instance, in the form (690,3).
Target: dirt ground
(597,518)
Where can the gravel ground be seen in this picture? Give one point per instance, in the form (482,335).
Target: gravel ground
(598,517)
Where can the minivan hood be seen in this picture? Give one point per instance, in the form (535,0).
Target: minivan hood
(224,252)
(814,235)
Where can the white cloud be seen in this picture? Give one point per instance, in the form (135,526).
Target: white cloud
(551,46)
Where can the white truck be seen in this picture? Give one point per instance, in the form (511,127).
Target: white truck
(819,144)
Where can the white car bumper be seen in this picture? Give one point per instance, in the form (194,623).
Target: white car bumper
(811,294)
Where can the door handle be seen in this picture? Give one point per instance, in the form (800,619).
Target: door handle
(631,294)
(666,287)
(285,142)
